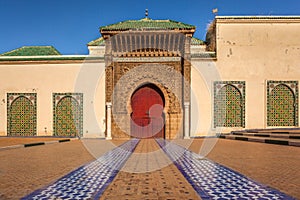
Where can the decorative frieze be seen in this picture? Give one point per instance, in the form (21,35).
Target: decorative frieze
(147,59)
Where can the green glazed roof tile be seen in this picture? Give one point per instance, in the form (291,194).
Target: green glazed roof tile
(196,41)
(98,42)
(33,51)
(146,23)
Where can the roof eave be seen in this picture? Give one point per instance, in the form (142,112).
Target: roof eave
(110,32)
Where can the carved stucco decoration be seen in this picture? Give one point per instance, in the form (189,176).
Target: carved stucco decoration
(164,76)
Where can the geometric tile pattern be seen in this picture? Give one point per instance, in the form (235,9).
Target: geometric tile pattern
(88,181)
(282,105)
(21,114)
(229,104)
(68,114)
(214,181)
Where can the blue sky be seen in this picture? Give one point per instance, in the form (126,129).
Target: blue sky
(69,25)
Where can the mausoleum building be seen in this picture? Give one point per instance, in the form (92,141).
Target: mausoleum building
(152,78)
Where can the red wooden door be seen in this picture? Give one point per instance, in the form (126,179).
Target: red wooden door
(147,113)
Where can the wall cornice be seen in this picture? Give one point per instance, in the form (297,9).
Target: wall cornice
(258,19)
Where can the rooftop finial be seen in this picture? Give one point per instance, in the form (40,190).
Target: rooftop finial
(146,13)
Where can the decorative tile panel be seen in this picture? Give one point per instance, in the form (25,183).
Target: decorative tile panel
(21,114)
(68,114)
(282,105)
(229,104)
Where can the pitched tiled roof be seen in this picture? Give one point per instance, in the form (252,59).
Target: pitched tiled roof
(98,42)
(33,51)
(196,41)
(101,42)
(146,23)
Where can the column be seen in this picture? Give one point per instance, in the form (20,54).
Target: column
(108,121)
(186,120)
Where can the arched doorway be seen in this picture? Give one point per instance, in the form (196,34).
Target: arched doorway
(147,117)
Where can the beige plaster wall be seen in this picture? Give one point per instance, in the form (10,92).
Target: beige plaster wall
(255,51)
(45,79)
(203,73)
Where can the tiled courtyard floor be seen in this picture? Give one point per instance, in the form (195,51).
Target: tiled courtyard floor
(277,166)
(24,170)
(7,141)
(149,174)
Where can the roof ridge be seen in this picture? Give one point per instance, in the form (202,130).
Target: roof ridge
(147,23)
(135,20)
(36,46)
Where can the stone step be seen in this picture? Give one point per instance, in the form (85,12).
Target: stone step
(272,131)
(281,132)
(269,140)
(268,134)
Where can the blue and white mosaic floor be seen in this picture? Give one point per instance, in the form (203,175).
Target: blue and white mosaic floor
(89,181)
(209,179)
(214,181)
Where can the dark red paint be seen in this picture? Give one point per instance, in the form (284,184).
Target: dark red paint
(147,113)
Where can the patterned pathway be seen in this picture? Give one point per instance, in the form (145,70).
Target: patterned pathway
(210,180)
(214,181)
(88,181)
(149,174)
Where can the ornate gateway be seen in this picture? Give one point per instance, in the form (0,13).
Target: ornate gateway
(148,78)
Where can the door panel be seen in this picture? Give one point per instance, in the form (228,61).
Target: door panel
(147,113)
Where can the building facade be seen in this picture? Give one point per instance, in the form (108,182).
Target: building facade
(152,78)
